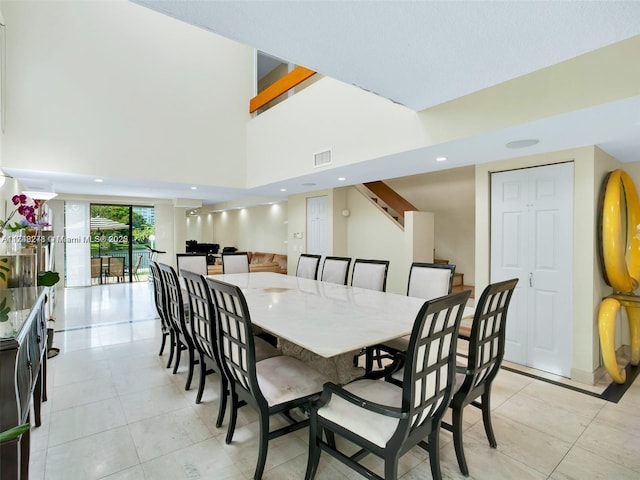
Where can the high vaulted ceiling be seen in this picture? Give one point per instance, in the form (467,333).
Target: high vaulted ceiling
(418,54)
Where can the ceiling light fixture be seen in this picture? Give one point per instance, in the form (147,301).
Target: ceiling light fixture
(194,188)
(98,180)
(527,142)
(341,179)
(441,159)
(283,189)
(309,184)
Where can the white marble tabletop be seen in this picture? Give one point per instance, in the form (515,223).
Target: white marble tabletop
(325,318)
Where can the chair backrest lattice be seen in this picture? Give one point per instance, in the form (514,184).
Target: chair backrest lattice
(370,274)
(159,295)
(488,332)
(430,280)
(202,313)
(308,266)
(174,302)
(429,372)
(235,336)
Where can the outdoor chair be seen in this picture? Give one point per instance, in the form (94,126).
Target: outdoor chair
(308,266)
(134,269)
(96,269)
(385,419)
(274,385)
(116,268)
(335,270)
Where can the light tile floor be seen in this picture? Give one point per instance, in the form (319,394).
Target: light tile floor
(115,412)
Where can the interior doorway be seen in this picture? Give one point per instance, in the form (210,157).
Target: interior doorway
(531,239)
(119,237)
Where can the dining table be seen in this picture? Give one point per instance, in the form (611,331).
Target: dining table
(322,323)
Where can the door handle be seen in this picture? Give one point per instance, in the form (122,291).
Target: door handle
(530,279)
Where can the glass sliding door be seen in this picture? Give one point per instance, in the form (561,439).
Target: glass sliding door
(119,236)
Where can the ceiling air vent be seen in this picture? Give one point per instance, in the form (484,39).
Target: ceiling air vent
(321,159)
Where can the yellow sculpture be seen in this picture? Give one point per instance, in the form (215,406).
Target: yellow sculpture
(620,256)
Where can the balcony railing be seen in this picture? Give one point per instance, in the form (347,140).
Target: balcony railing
(280,87)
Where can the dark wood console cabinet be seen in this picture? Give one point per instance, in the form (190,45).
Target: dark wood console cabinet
(22,374)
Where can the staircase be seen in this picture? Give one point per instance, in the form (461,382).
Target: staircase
(458,280)
(394,206)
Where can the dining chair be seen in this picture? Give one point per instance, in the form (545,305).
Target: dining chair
(116,268)
(235,262)
(308,266)
(175,308)
(475,375)
(196,263)
(426,281)
(335,270)
(159,299)
(385,419)
(271,386)
(203,331)
(370,274)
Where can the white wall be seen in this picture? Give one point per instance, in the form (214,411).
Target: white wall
(262,228)
(450,196)
(115,89)
(199,227)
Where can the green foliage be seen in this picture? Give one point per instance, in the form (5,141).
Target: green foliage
(14,432)
(4,269)
(4,310)
(48,278)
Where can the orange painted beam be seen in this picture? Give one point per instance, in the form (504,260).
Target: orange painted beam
(277,88)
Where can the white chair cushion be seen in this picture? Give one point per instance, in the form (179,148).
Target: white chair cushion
(235,263)
(429,282)
(373,426)
(193,263)
(368,275)
(335,271)
(307,267)
(264,349)
(282,379)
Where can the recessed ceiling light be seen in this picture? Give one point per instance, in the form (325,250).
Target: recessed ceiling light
(194,188)
(341,179)
(441,159)
(283,189)
(527,142)
(98,180)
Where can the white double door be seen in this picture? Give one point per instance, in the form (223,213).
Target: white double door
(531,239)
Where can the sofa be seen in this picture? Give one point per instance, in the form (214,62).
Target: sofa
(259,262)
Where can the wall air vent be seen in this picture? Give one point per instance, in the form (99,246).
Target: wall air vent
(322,158)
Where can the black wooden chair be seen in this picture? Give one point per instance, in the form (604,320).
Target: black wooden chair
(335,270)
(388,420)
(275,385)
(203,330)
(159,298)
(308,266)
(486,350)
(427,281)
(178,320)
